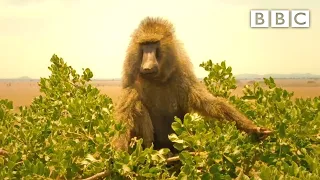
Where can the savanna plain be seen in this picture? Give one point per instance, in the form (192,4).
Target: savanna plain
(22,92)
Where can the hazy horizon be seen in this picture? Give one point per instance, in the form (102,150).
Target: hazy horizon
(237,76)
(96,35)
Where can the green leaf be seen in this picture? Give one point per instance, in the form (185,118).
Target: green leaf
(126,168)
(248,97)
(177,127)
(206,176)
(282,130)
(1,113)
(228,158)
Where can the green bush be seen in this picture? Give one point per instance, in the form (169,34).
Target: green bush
(66,132)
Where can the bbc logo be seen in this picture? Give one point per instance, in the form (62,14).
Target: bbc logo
(280,18)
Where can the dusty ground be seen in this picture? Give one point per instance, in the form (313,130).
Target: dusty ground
(23,92)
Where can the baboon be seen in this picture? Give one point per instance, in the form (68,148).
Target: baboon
(158,83)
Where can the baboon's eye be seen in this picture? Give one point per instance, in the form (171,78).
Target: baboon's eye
(158,54)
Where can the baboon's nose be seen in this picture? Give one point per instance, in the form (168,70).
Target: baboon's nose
(149,63)
(149,66)
(149,69)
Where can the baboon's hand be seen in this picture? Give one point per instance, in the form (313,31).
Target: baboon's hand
(3,152)
(262,132)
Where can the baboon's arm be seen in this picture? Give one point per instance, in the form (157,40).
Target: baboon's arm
(130,110)
(200,100)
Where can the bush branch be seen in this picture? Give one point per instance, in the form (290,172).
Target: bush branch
(99,175)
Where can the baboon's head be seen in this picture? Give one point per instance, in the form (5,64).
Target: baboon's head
(150,54)
(157,49)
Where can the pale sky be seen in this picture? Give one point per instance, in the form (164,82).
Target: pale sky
(96,33)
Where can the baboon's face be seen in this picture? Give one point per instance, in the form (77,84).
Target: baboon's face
(150,54)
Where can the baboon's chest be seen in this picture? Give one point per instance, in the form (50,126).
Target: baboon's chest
(161,100)
(163,106)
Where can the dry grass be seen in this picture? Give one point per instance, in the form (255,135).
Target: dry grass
(23,92)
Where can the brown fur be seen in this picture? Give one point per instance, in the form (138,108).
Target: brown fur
(148,105)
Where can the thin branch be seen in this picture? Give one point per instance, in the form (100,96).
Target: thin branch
(172,159)
(99,175)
